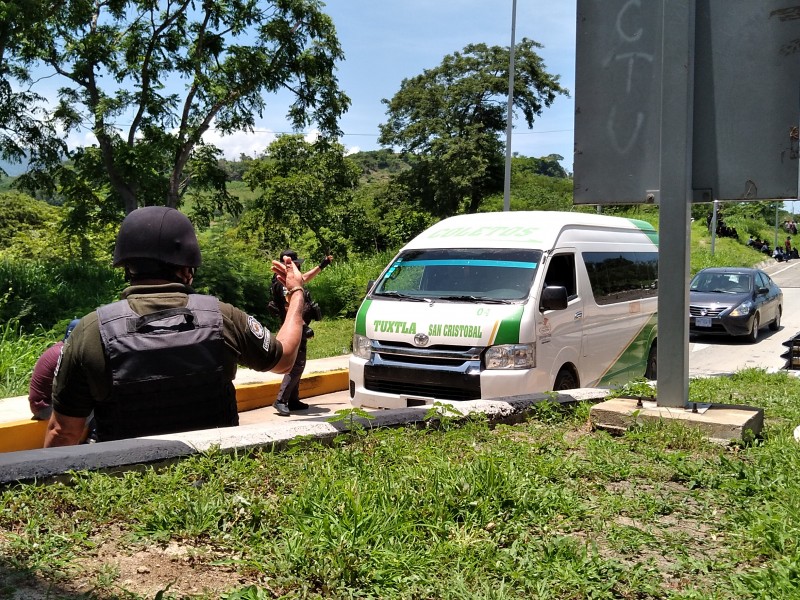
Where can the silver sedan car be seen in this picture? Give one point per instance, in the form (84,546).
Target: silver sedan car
(734,301)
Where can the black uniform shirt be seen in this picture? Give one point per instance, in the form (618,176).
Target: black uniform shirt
(82,375)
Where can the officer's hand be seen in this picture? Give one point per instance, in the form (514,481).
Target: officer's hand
(293,278)
(282,270)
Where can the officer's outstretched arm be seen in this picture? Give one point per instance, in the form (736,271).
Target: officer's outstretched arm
(64,431)
(310,274)
(291,332)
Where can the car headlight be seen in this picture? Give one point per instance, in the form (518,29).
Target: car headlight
(744,309)
(511,356)
(362,346)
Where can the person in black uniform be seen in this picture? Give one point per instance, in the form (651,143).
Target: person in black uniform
(163,359)
(289,393)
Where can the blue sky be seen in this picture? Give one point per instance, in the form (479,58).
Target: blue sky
(385,41)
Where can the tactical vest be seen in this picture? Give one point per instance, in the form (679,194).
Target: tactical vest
(167,371)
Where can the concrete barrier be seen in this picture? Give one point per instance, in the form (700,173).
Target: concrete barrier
(131,453)
(23,433)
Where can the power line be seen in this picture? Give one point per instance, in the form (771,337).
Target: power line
(377,134)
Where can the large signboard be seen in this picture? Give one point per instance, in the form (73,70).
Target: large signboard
(746,100)
(617,100)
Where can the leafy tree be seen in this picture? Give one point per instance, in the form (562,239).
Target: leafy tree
(150,78)
(32,229)
(379,164)
(304,186)
(20,214)
(27,134)
(451,118)
(549,165)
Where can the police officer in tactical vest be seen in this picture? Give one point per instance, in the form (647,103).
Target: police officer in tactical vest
(163,359)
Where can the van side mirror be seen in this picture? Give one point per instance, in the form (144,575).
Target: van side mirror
(370,283)
(554,297)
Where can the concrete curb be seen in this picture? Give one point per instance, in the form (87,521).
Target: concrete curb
(27,434)
(129,454)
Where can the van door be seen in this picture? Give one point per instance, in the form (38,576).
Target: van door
(559,332)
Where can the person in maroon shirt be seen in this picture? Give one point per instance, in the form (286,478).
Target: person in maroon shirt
(41,385)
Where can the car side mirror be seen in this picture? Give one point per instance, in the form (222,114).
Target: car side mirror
(763,290)
(554,297)
(370,283)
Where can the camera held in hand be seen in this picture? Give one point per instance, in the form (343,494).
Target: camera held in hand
(311,310)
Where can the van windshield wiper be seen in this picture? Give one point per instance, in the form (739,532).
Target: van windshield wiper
(483,299)
(395,294)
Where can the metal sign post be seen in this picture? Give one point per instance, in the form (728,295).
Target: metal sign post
(677,77)
(679,101)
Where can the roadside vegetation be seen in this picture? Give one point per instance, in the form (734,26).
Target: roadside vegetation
(546,509)
(44,282)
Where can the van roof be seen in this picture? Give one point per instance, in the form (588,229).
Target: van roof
(516,229)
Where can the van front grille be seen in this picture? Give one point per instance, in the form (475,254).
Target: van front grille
(443,385)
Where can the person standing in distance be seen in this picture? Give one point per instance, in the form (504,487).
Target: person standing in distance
(289,393)
(163,359)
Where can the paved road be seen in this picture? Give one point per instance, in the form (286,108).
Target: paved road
(712,356)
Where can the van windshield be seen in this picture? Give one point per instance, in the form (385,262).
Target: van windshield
(461,274)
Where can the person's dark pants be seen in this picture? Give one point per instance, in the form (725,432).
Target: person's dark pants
(289,393)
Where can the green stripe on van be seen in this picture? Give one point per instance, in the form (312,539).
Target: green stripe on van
(361,317)
(508,332)
(632,362)
(646,229)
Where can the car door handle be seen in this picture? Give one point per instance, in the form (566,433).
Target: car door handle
(578,315)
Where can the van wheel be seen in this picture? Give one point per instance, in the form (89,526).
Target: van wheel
(651,370)
(752,337)
(565,380)
(776,324)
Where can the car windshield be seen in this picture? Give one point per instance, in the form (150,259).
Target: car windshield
(722,283)
(461,275)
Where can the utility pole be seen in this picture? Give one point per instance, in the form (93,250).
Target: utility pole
(507,179)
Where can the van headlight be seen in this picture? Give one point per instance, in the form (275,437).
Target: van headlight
(744,309)
(362,346)
(511,356)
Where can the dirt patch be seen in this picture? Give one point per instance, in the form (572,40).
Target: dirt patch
(116,567)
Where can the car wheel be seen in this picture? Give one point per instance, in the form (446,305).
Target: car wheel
(565,380)
(776,324)
(753,335)
(651,371)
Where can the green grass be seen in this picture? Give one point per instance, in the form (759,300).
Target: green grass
(331,338)
(546,508)
(18,354)
(727,251)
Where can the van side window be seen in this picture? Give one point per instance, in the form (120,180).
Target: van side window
(561,271)
(622,276)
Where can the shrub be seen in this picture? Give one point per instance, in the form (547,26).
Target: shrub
(45,294)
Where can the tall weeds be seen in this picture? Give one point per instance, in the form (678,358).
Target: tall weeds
(18,354)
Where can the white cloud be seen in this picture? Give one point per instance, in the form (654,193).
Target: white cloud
(242,142)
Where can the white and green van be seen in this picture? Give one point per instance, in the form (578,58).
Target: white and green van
(490,305)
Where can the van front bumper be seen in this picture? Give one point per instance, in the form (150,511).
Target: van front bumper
(391,386)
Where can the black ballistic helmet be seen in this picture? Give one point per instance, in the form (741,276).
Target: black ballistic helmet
(157,233)
(293,255)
